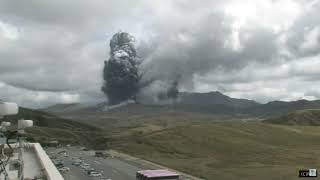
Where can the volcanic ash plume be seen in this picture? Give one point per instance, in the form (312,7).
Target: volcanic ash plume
(121,72)
(124,80)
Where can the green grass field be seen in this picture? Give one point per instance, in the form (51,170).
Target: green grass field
(48,127)
(197,144)
(300,117)
(230,150)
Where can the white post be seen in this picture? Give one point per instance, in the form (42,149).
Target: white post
(21,151)
(22,124)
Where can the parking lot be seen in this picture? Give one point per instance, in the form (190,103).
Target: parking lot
(76,164)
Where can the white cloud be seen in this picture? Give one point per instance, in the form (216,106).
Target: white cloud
(8,31)
(70,98)
(297,79)
(40,99)
(53,51)
(277,15)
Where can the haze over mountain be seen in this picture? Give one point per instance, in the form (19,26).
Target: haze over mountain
(299,117)
(60,108)
(208,103)
(213,98)
(48,127)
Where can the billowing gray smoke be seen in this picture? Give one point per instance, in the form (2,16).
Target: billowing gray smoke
(173,90)
(123,76)
(121,72)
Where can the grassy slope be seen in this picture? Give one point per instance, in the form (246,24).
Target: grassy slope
(49,127)
(230,150)
(301,117)
(194,144)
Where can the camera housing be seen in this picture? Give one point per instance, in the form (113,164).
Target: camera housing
(8,108)
(23,124)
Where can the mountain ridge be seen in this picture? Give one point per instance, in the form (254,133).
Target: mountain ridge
(214,98)
(299,117)
(211,102)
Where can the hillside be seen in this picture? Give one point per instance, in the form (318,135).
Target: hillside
(227,151)
(301,117)
(276,108)
(61,108)
(48,127)
(197,143)
(212,103)
(212,99)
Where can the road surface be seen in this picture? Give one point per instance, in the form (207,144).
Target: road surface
(114,168)
(118,167)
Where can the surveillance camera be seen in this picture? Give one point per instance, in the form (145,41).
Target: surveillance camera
(5,124)
(22,124)
(7,108)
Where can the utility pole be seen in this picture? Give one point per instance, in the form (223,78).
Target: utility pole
(11,109)
(21,151)
(6,108)
(22,124)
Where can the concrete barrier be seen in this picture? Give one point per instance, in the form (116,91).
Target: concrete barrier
(51,171)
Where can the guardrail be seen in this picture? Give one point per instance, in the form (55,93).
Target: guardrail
(51,171)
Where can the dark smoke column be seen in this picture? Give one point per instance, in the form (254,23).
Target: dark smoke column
(173,91)
(121,72)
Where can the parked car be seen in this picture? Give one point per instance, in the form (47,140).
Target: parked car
(84,149)
(53,157)
(64,169)
(58,163)
(76,163)
(95,174)
(100,154)
(89,169)
(84,166)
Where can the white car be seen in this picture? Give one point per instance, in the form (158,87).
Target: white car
(95,174)
(76,163)
(89,169)
(64,169)
(85,166)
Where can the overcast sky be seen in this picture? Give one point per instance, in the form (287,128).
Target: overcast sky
(54,51)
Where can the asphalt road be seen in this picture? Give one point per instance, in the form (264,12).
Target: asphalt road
(113,168)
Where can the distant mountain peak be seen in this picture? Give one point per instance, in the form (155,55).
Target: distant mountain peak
(208,102)
(214,98)
(64,107)
(298,117)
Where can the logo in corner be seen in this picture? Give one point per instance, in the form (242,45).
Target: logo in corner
(308,173)
(312,172)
